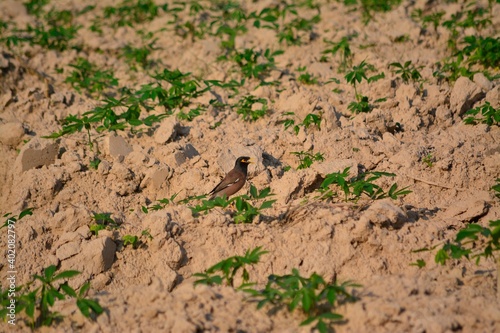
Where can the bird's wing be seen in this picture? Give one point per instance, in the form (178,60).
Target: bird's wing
(229,180)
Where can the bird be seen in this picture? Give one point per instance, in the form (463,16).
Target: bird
(234,180)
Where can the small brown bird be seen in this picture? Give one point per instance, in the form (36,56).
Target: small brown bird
(234,180)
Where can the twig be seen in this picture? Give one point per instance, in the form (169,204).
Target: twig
(433,183)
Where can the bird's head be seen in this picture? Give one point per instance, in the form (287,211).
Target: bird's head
(242,163)
(243,160)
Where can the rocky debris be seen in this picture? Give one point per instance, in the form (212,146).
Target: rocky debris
(482,82)
(163,270)
(336,165)
(464,94)
(383,213)
(467,210)
(36,153)
(122,180)
(117,146)
(167,131)
(493,96)
(92,258)
(295,184)
(68,250)
(156,176)
(11,134)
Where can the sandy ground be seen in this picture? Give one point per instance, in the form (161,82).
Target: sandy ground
(150,289)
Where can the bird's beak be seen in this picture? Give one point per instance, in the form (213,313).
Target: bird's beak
(250,161)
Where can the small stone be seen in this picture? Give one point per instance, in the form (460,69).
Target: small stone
(467,210)
(160,176)
(384,213)
(68,250)
(117,146)
(101,253)
(11,134)
(464,94)
(36,153)
(122,180)
(482,81)
(104,167)
(167,131)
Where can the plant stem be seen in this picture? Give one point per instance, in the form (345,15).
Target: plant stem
(498,278)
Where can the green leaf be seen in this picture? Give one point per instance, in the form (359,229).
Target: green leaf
(84,307)
(331,316)
(49,272)
(28,211)
(441,257)
(469,232)
(306,300)
(253,191)
(267,204)
(83,289)
(66,275)
(68,290)
(308,321)
(322,327)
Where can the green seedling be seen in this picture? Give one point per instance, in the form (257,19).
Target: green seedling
(429,160)
(37,303)
(407,72)
(131,12)
(467,244)
(354,188)
(52,37)
(402,38)
(35,7)
(362,104)
(146,233)
(488,115)
(484,51)
(255,64)
(245,107)
(132,103)
(368,7)
(162,203)
(470,51)
(420,263)
(103,221)
(232,85)
(94,163)
(245,212)
(88,77)
(306,78)
(11,221)
(310,119)
(138,56)
(226,270)
(343,49)
(54,31)
(471,242)
(472,18)
(196,27)
(267,18)
(434,18)
(292,32)
(131,240)
(306,159)
(354,77)
(312,295)
(191,114)
(496,188)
